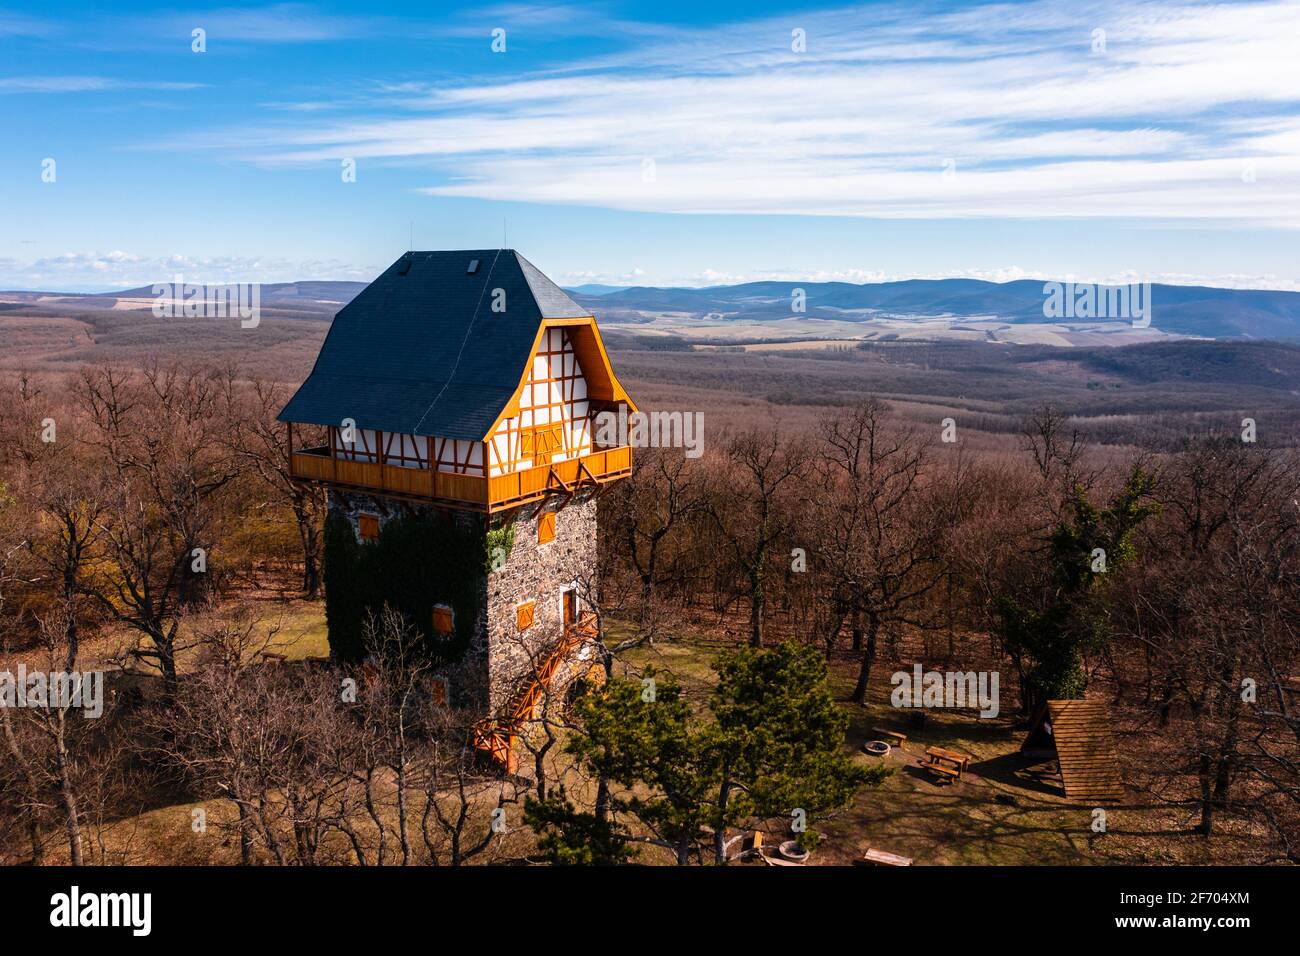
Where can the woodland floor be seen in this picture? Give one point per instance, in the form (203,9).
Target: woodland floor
(1006,811)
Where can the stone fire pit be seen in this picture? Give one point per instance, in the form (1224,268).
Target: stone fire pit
(792,851)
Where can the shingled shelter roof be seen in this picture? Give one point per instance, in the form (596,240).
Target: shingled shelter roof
(421,352)
(1078,734)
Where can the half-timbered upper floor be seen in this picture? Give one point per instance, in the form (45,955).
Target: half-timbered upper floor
(484,394)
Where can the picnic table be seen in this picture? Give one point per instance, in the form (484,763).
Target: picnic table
(940,756)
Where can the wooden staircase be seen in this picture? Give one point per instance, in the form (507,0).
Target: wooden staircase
(494,737)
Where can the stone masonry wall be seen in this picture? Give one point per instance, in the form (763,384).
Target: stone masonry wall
(536,572)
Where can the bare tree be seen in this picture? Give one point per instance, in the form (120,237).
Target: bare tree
(750,506)
(49,758)
(1219,614)
(881,539)
(464,806)
(649,513)
(262,443)
(1057,448)
(166,465)
(394,705)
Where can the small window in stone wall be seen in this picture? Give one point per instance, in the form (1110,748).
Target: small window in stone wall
(546,527)
(368,525)
(442,620)
(524,614)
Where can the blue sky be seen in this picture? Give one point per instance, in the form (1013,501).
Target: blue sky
(653,143)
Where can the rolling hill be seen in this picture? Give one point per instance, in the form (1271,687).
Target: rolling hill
(1180,310)
(914,308)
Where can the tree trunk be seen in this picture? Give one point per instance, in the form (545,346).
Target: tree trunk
(245,835)
(66,794)
(70,630)
(1206,826)
(719,827)
(756,602)
(868,659)
(375,817)
(311,575)
(310,552)
(1166,701)
(403,831)
(539,764)
(167,663)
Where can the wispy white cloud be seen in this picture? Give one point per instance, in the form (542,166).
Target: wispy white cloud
(83,84)
(278,23)
(1005,110)
(118,269)
(19,25)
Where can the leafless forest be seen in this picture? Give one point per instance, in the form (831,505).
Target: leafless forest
(824,511)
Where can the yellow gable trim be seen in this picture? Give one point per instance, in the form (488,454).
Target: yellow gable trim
(592,358)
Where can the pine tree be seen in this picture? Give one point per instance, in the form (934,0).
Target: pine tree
(769,747)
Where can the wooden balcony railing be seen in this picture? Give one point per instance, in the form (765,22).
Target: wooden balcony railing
(481,493)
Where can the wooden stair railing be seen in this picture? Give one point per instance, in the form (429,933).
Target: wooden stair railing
(495,737)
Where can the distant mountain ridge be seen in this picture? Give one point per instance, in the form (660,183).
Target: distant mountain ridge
(1185,310)
(1200,311)
(327,291)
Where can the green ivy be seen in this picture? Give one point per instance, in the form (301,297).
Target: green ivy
(418,561)
(500,541)
(1056,622)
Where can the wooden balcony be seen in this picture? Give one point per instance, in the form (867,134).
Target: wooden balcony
(474,492)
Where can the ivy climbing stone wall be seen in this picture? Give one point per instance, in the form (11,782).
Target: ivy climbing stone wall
(483,568)
(424,556)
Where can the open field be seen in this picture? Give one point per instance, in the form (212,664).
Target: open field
(716,330)
(1139,395)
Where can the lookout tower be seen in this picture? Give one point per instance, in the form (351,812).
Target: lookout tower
(453,404)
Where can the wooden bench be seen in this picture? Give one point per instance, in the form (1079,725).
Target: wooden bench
(939,770)
(891,736)
(771,859)
(875,857)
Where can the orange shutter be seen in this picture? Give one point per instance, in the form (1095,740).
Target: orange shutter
(541,442)
(369,526)
(546,527)
(524,615)
(550,438)
(442,621)
(438,691)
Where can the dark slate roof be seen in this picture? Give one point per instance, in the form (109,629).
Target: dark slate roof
(423,353)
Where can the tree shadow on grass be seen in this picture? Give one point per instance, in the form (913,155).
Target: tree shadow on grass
(958,824)
(1032,774)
